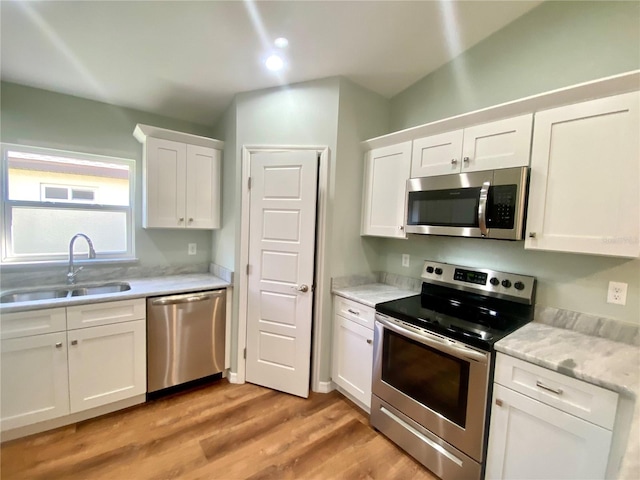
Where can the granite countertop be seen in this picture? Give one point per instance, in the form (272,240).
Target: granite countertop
(373,293)
(606,363)
(140,288)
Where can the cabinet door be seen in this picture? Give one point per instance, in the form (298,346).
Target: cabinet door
(531,440)
(164,180)
(106,364)
(203,187)
(353,358)
(34,379)
(585,178)
(437,155)
(502,144)
(384,204)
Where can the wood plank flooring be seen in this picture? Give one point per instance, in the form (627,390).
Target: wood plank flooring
(221,431)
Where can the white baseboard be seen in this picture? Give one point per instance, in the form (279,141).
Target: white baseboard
(325,387)
(233,377)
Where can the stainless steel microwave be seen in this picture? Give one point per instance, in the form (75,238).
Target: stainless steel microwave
(486,204)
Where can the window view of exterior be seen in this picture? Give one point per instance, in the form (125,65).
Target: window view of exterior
(50,196)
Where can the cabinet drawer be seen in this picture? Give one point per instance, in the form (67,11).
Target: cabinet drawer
(589,402)
(36,322)
(355,311)
(83,316)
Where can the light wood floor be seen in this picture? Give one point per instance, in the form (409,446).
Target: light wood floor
(221,431)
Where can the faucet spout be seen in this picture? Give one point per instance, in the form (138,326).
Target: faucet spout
(71,273)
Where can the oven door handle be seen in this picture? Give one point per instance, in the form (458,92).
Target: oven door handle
(434,341)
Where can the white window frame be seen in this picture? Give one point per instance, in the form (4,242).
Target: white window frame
(6,208)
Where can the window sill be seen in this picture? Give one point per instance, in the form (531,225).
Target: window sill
(21,266)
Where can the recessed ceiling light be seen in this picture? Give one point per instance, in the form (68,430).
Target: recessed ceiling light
(274,63)
(281,42)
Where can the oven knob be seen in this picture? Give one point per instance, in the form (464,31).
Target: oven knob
(519,286)
(506,283)
(494,281)
(429,269)
(438,271)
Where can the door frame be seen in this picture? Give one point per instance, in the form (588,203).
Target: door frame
(319,278)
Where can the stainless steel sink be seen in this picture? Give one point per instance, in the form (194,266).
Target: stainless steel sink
(33,295)
(101,289)
(49,293)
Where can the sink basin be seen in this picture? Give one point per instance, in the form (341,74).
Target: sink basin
(101,289)
(32,295)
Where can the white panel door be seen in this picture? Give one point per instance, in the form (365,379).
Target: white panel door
(585,178)
(282,227)
(501,144)
(530,440)
(34,379)
(437,155)
(385,185)
(203,187)
(106,364)
(165,181)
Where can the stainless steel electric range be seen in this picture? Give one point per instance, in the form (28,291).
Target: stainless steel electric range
(433,363)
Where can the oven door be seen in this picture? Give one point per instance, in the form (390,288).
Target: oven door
(439,383)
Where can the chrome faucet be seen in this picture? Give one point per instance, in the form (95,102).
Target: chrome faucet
(71,273)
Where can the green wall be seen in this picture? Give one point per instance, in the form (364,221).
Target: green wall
(332,112)
(555,45)
(35,117)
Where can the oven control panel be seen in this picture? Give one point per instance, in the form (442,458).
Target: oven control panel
(512,286)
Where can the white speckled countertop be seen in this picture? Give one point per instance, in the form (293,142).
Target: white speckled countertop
(141,287)
(373,293)
(611,365)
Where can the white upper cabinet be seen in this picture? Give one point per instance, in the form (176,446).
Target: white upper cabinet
(585,178)
(500,144)
(385,184)
(437,154)
(181,179)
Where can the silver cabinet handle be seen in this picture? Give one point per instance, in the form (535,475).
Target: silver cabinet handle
(498,402)
(401,227)
(74,342)
(369,341)
(532,234)
(355,312)
(466,159)
(454,161)
(59,345)
(181,219)
(302,288)
(191,219)
(557,391)
(482,208)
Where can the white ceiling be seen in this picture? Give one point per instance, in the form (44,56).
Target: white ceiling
(186,59)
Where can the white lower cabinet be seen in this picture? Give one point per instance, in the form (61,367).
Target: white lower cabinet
(50,375)
(352,361)
(34,379)
(106,364)
(545,425)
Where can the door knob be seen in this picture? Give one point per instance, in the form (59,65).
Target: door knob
(302,288)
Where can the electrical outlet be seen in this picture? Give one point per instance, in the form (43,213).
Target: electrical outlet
(193,248)
(405,259)
(617,293)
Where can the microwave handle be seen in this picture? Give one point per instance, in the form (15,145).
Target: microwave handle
(482,208)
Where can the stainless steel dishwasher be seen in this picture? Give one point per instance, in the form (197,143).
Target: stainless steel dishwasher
(185,338)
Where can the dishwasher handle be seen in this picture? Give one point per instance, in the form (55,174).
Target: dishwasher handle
(189,298)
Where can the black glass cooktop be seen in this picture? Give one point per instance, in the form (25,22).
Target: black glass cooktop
(471,318)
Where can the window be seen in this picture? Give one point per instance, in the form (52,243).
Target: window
(49,195)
